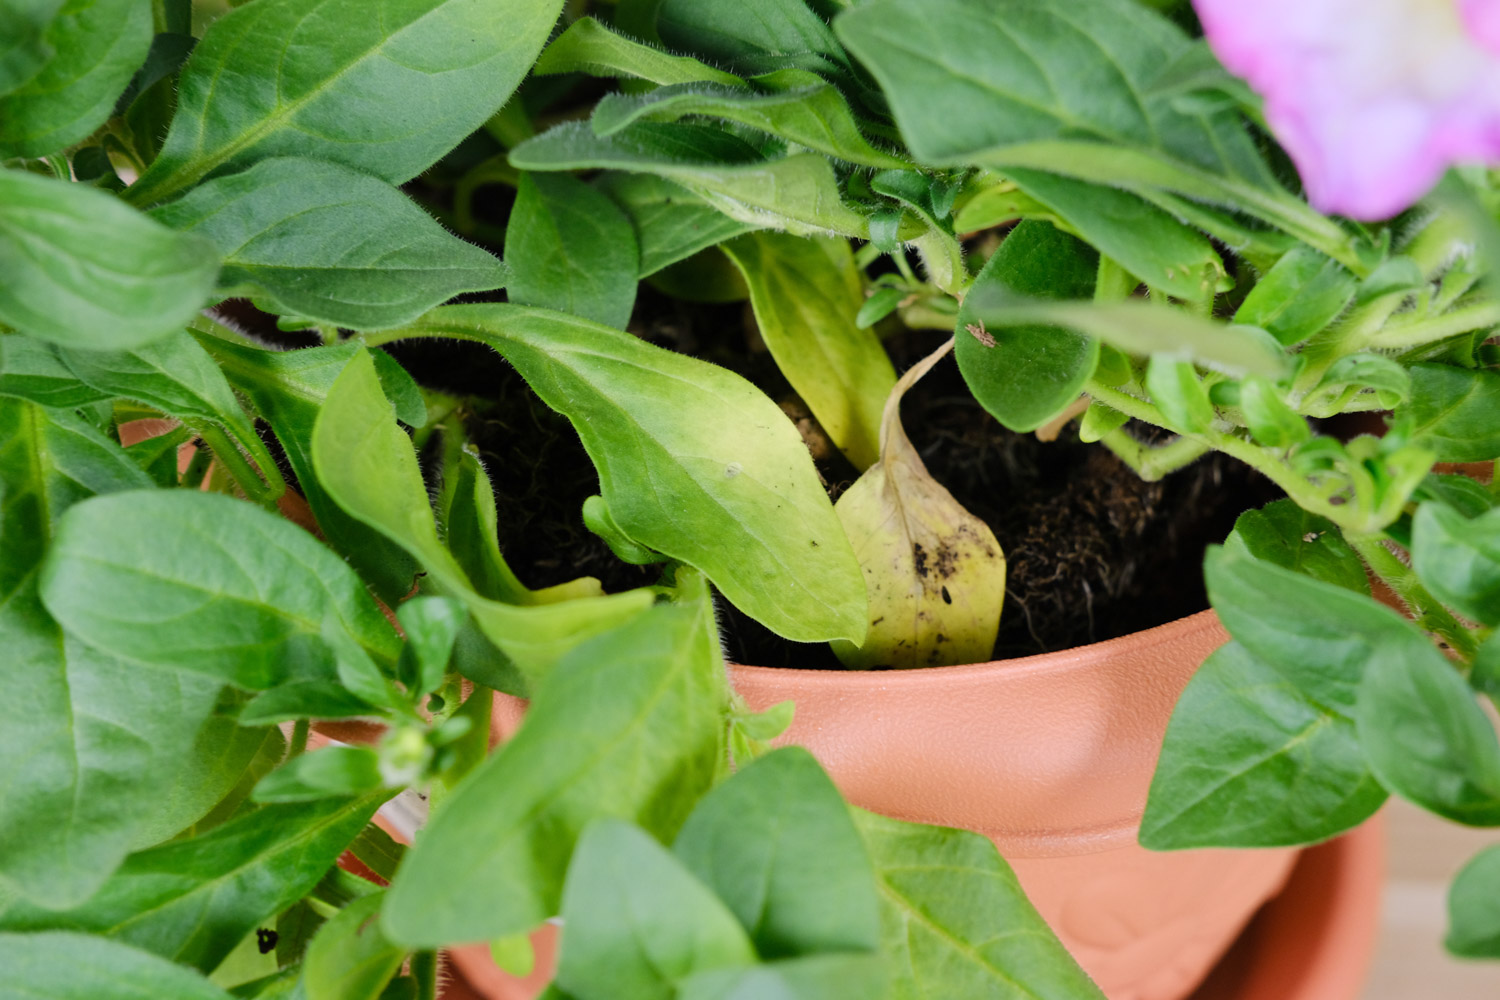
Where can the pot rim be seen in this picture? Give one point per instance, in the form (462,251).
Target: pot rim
(1036,663)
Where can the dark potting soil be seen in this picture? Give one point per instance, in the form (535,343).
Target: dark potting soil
(1092,551)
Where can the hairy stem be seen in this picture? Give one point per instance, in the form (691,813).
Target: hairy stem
(1403,581)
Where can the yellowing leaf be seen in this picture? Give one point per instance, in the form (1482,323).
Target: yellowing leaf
(934,572)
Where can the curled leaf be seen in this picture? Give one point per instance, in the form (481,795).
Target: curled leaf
(934,572)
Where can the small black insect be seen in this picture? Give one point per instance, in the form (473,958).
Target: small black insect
(265,939)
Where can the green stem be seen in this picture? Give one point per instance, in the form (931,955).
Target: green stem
(263,487)
(1427,331)
(1153,462)
(424,971)
(299,739)
(1402,579)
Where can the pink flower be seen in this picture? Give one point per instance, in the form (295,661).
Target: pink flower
(1373,99)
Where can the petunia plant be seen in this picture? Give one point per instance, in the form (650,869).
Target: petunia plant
(1076,200)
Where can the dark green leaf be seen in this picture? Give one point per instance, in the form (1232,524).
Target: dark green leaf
(1300,295)
(806,294)
(671,223)
(590,47)
(23,39)
(799,108)
(1425,735)
(367,465)
(328,243)
(64,966)
(1464,494)
(96,46)
(1474,907)
(1286,535)
(627,725)
(776,843)
(378,851)
(170,48)
(322,774)
(767,36)
(83,270)
(193,900)
(1251,761)
(349,958)
(956,923)
(638,921)
(1148,242)
(1026,374)
(570,248)
(720,480)
(206,583)
(32,369)
(1455,412)
(1458,558)
(288,389)
(391,87)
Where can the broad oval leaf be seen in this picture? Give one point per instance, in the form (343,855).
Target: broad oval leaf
(367,465)
(590,47)
(671,223)
(193,900)
(1455,412)
(97,45)
(23,39)
(1288,536)
(1251,761)
(349,958)
(62,965)
(324,242)
(570,248)
(934,572)
(1458,558)
(719,480)
(767,36)
(1474,907)
(627,725)
(203,582)
(386,86)
(943,896)
(84,270)
(777,844)
(1301,294)
(638,921)
(806,294)
(1025,375)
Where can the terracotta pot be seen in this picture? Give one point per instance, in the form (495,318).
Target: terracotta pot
(1051,757)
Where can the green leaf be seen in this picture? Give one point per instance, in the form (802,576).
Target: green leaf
(214,777)
(1474,907)
(177,376)
(1354,372)
(193,900)
(638,921)
(1300,295)
(956,923)
(1288,536)
(1148,242)
(627,724)
(322,774)
(590,47)
(97,46)
(431,625)
(24,48)
(776,843)
(1024,375)
(1251,761)
(88,743)
(328,243)
(393,86)
(367,465)
(1455,412)
(66,966)
(205,583)
(288,389)
(1458,559)
(349,958)
(806,294)
(671,223)
(811,977)
(378,851)
(33,369)
(1425,736)
(772,34)
(798,193)
(84,270)
(1179,393)
(720,480)
(1271,420)
(570,248)
(799,108)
